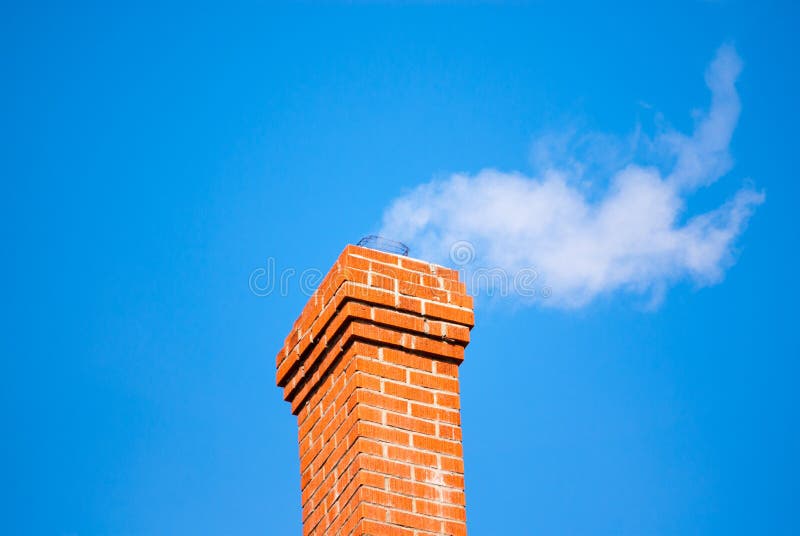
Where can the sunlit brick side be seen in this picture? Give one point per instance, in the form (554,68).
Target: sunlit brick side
(370,368)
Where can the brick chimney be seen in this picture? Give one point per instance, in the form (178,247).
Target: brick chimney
(370,368)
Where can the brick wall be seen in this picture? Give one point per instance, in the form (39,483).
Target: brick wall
(370,368)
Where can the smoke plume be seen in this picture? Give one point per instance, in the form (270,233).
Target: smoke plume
(600,215)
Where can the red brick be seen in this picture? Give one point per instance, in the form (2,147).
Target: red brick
(447,431)
(414,489)
(386,467)
(380,401)
(410,423)
(446,369)
(415,265)
(407,519)
(373,254)
(389,435)
(381,369)
(406,359)
(432,381)
(390,500)
(370,368)
(375,528)
(412,455)
(448,401)
(407,392)
(435,414)
(454,528)
(455,465)
(456,315)
(423,442)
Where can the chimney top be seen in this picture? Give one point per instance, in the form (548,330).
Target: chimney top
(384,244)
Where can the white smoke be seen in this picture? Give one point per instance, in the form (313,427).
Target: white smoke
(633,235)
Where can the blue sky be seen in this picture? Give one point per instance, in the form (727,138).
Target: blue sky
(154,156)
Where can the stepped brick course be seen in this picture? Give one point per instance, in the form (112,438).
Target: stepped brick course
(370,368)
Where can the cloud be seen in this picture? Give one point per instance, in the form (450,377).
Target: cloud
(593,225)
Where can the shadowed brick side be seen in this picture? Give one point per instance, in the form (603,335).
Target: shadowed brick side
(370,368)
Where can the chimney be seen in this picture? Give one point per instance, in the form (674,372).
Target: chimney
(370,369)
